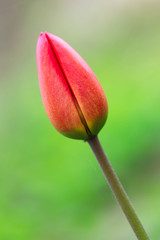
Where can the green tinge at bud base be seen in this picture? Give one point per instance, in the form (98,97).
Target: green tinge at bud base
(72,95)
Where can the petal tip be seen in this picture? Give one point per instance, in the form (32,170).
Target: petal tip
(41,34)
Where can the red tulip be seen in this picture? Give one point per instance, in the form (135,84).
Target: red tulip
(72,96)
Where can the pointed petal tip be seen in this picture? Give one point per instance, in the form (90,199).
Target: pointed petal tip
(43,34)
(47,35)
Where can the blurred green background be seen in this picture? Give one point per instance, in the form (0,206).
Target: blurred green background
(51,187)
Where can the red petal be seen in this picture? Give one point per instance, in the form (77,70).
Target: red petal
(82,80)
(55,92)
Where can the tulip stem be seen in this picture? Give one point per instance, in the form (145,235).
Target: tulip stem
(118,189)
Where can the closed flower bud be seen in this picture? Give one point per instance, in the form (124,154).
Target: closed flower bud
(72,96)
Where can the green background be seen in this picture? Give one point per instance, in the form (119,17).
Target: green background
(51,187)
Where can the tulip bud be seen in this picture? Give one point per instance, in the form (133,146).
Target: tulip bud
(72,96)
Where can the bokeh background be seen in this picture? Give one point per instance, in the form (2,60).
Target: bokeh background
(51,187)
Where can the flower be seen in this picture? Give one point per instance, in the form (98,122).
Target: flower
(72,95)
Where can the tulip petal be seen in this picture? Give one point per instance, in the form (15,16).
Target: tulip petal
(55,92)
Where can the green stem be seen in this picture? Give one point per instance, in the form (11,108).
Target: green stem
(117,189)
